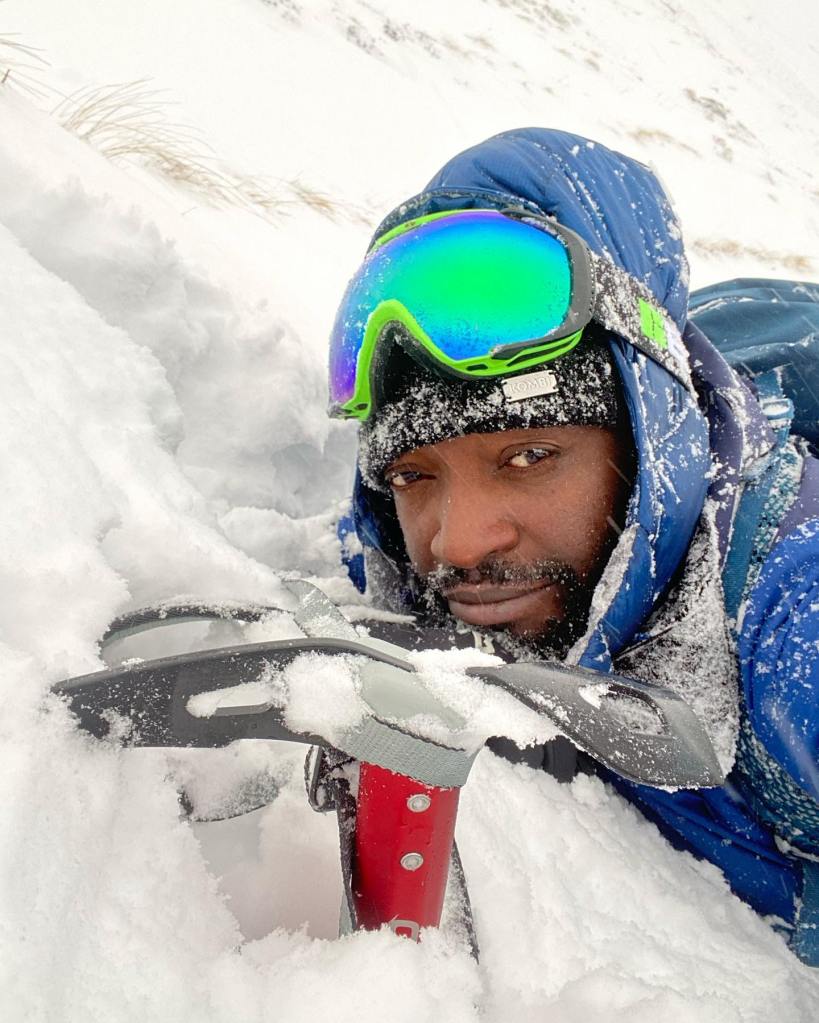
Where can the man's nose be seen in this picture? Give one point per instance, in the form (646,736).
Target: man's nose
(471,526)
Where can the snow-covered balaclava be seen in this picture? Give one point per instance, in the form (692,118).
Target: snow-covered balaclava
(420,408)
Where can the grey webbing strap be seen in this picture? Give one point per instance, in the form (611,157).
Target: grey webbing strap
(317,615)
(627,307)
(374,742)
(393,694)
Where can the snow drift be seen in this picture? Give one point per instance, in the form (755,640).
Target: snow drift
(163,434)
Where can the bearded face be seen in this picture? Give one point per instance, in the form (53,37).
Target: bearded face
(511,530)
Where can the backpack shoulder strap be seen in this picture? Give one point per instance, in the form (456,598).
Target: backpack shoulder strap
(764,500)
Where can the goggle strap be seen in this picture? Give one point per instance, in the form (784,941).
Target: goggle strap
(625,306)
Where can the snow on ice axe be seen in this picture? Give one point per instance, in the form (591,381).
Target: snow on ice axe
(397,818)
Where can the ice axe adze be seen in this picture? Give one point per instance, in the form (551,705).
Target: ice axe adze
(397,818)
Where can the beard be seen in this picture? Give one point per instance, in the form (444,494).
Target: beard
(553,638)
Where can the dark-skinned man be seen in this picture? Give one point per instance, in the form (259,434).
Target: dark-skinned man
(555,461)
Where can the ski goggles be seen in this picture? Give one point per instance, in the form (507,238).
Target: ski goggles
(484,293)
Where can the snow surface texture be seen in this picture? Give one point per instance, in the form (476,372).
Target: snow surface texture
(162,432)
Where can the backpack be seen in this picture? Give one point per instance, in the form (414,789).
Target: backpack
(761,326)
(769,332)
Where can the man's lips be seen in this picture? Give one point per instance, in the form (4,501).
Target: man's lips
(495,605)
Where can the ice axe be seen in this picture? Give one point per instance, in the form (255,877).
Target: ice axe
(395,792)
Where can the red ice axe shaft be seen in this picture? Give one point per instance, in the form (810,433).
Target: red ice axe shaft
(403,844)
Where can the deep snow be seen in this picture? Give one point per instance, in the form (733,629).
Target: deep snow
(162,432)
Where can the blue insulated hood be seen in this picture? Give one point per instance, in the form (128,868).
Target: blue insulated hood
(616,205)
(620,209)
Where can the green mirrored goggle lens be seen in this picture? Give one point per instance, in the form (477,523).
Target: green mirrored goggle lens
(464,285)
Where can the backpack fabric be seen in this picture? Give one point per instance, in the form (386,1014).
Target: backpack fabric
(782,364)
(764,325)
(769,331)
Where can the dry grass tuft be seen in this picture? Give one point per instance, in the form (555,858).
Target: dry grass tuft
(652,135)
(128,122)
(21,67)
(725,247)
(316,200)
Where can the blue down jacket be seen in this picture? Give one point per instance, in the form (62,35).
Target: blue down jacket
(659,612)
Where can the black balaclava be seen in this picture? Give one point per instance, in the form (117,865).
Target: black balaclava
(419,407)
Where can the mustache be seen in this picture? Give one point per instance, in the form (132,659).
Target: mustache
(497,572)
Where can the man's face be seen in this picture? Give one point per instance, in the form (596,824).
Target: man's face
(512,530)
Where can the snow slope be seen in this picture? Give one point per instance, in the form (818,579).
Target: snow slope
(162,432)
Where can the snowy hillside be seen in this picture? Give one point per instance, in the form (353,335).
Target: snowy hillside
(184,189)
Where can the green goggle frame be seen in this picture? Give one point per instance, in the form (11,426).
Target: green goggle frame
(484,293)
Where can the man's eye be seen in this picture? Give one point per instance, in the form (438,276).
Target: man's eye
(529,456)
(400,480)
